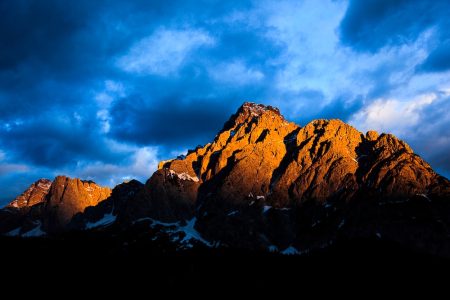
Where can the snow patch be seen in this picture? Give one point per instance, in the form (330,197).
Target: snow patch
(266,208)
(14,232)
(35,232)
(260,197)
(233,213)
(285,208)
(425,196)
(272,248)
(107,219)
(190,233)
(44,185)
(290,251)
(183,176)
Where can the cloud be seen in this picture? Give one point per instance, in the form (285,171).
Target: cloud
(171,122)
(373,24)
(142,162)
(392,115)
(369,26)
(12,168)
(236,73)
(164,51)
(438,60)
(422,122)
(55,139)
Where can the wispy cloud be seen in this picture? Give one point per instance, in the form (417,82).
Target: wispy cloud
(236,73)
(393,115)
(163,52)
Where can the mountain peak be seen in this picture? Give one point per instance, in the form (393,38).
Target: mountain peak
(255,109)
(35,193)
(50,205)
(249,112)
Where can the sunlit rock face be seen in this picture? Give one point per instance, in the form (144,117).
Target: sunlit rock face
(69,196)
(47,206)
(110,211)
(264,180)
(33,195)
(259,155)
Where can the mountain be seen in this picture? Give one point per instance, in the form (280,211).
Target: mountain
(48,207)
(33,195)
(267,184)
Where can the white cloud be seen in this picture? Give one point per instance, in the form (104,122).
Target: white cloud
(163,52)
(236,73)
(392,115)
(445,91)
(115,87)
(143,162)
(111,91)
(104,118)
(312,57)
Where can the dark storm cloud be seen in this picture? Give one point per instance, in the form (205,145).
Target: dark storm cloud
(370,25)
(55,139)
(173,122)
(54,54)
(438,60)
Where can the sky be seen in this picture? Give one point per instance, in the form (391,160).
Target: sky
(103,90)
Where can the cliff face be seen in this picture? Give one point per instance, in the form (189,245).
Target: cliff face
(70,196)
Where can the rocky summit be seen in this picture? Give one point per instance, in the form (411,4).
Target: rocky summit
(263,183)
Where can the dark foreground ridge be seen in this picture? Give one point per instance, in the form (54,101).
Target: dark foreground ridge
(264,187)
(106,265)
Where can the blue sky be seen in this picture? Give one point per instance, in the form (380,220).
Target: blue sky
(103,90)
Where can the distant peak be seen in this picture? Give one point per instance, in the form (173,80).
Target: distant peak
(34,194)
